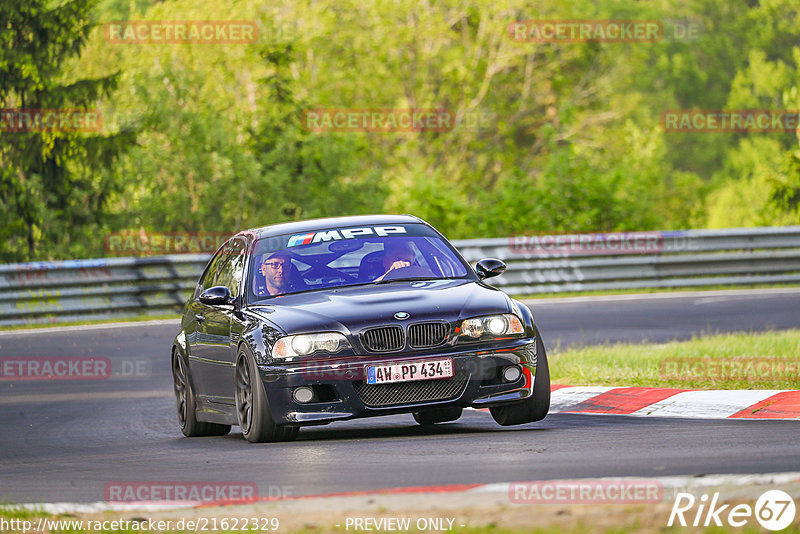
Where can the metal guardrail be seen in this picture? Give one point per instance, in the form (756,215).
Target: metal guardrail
(74,290)
(664,259)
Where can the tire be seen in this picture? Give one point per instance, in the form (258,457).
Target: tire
(185,403)
(252,408)
(437,415)
(534,408)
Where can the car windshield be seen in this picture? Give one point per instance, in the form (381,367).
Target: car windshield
(339,257)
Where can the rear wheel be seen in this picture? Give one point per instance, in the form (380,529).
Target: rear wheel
(437,415)
(252,407)
(535,407)
(184,399)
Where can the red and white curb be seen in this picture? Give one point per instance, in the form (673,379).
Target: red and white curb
(667,402)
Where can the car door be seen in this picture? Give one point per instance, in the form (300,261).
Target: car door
(216,360)
(194,325)
(223,325)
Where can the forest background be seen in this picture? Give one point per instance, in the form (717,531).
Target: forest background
(551,137)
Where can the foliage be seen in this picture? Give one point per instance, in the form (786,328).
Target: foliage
(48,177)
(550,137)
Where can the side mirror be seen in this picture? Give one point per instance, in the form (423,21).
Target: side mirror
(214,296)
(489,267)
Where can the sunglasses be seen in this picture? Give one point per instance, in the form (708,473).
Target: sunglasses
(276,264)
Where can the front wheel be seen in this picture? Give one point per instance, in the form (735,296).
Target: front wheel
(535,407)
(252,407)
(184,399)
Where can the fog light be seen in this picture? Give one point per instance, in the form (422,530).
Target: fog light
(511,373)
(303,394)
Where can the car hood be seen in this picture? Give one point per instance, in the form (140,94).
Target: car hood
(355,308)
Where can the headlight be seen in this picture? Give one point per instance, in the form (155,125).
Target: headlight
(305,344)
(492,325)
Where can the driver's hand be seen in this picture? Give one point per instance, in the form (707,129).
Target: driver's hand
(399,265)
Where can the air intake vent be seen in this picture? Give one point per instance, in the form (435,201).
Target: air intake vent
(383,339)
(377,395)
(426,335)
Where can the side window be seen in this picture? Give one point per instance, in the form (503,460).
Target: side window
(230,272)
(211,273)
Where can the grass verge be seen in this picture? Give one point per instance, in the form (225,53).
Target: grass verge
(11,511)
(769,360)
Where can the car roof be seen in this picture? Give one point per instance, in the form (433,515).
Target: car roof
(311,225)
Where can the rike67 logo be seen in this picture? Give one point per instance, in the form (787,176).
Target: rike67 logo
(774,510)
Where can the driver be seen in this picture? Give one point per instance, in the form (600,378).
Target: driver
(397,254)
(276,270)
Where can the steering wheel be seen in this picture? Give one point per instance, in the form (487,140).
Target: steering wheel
(412,271)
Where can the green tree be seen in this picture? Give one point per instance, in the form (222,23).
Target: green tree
(553,136)
(305,175)
(49,186)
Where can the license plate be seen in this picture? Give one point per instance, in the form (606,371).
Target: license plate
(409,371)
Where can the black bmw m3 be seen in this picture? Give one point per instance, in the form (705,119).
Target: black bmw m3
(306,323)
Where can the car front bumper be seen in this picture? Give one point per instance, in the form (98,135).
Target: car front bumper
(341,392)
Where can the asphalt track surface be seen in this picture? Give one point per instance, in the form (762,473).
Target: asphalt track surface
(64,441)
